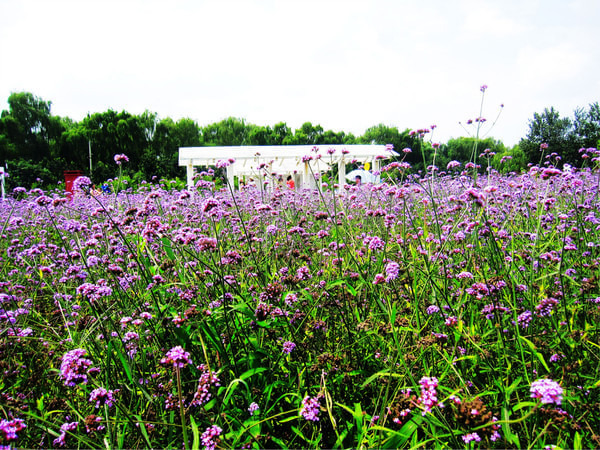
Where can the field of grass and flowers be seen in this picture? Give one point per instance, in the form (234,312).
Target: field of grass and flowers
(442,311)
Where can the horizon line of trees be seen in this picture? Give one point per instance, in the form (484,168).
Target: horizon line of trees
(36,146)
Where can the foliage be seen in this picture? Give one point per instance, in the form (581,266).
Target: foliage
(549,128)
(28,128)
(564,136)
(510,160)
(23,172)
(382,134)
(586,126)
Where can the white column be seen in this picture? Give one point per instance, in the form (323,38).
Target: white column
(190,176)
(230,177)
(341,173)
(305,177)
(376,165)
(377,168)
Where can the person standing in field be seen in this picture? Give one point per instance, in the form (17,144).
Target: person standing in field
(290,183)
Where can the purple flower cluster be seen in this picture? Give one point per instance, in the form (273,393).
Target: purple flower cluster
(94,292)
(546,306)
(82,184)
(392,269)
(374,243)
(74,368)
(209,437)
(206,381)
(68,426)
(10,428)
(288,346)
(102,397)
(253,408)
(428,398)
(471,437)
(177,356)
(310,408)
(121,158)
(547,391)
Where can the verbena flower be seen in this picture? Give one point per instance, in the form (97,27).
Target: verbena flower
(288,347)
(94,292)
(69,426)
(206,381)
(177,356)
(82,184)
(10,428)
(208,438)
(121,158)
(253,408)
(524,319)
(392,269)
(432,309)
(428,398)
(310,408)
(547,391)
(74,367)
(471,437)
(102,397)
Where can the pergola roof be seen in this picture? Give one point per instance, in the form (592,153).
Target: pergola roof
(280,155)
(282,159)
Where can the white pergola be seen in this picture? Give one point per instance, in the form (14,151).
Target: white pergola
(299,161)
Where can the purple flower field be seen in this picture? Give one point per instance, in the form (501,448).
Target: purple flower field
(442,311)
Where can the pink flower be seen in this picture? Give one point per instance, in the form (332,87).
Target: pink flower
(177,356)
(310,408)
(547,391)
(288,347)
(208,438)
(119,159)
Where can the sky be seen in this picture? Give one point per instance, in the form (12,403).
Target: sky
(345,65)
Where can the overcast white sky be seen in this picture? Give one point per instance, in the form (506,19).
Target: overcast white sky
(346,65)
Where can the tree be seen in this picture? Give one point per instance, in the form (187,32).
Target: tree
(461,149)
(74,146)
(307,134)
(27,125)
(258,135)
(555,131)
(510,160)
(587,126)
(382,134)
(112,133)
(231,131)
(167,139)
(281,134)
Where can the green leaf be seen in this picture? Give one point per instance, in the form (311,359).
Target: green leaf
(125,364)
(195,433)
(508,434)
(577,442)
(519,406)
(351,290)
(405,433)
(249,373)
(168,248)
(532,347)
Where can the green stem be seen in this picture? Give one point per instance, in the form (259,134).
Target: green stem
(181,409)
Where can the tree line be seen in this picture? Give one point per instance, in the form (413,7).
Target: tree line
(37,146)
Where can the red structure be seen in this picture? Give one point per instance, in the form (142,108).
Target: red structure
(70,177)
